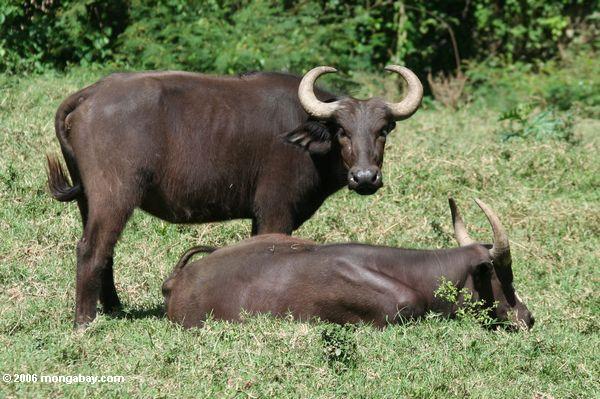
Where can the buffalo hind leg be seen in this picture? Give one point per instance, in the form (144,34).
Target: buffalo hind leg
(108,292)
(409,305)
(94,263)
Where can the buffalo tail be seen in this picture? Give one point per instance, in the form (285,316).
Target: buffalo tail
(185,258)
(58,182)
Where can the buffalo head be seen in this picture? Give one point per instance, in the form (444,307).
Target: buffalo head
(493,277)
(356,128)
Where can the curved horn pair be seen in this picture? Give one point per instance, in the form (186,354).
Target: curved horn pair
(500,251)
(322,110)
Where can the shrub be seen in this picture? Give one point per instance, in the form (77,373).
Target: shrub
(525,30)
(237,35)
(467,308)
(526,122)
(38,33)
(220,37)
(564,96)
(570,85)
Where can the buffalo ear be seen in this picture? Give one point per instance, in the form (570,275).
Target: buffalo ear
(312,136)
(319,147)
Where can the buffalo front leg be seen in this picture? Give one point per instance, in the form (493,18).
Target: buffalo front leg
(94,265)
(273,222)
(108,292)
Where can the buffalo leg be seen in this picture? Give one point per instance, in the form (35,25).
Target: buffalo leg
(94,262)
(409,304)
(272,212)
(82,204)
(108,292)
(379,303)
(273,223)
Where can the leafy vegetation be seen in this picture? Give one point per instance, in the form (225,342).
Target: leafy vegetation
(546,193)
(525,122)
(218,38)
(36,34)
(239,35)
(571,84)
(339,346)
(467,308)
(522,134)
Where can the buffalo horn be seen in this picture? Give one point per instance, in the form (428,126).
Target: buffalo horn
(411,102)
(500,251)
(306,94)
(460,231)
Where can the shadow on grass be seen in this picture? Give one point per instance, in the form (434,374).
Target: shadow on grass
(157,311)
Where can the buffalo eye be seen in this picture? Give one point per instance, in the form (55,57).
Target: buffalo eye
(343,138)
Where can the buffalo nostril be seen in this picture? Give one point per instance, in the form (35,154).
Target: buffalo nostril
(364,181)
(374,177)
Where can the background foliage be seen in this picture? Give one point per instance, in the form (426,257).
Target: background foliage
(239,35)
(524,137)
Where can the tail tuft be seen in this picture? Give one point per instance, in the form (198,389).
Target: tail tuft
(58,182)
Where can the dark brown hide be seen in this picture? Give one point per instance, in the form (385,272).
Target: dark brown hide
(341,283)
(191,148)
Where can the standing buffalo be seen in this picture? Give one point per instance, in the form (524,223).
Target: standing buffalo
(192,148)
(343,283)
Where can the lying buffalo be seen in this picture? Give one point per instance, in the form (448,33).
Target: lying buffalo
(192,148)
(343,283)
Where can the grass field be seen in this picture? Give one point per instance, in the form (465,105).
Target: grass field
(547,193)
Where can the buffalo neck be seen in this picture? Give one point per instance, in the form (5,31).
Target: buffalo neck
(424,270)
(331,170)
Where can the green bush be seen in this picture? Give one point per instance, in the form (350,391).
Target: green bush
(569,85)
(39,33)
(525,29)
(239,35)
(564,96)
(504,30)
(467,308)
(525,122)
(220,37)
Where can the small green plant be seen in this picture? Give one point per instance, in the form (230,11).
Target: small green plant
(467,308)
(526,122)
(339,346)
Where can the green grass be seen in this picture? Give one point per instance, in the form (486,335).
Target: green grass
(548,196)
